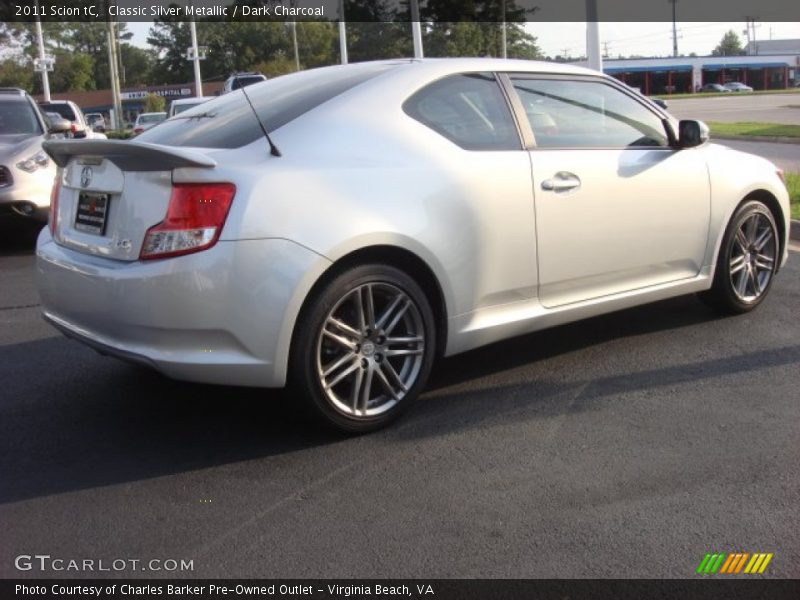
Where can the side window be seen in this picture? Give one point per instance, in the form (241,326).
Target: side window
(586,114)
(469,110)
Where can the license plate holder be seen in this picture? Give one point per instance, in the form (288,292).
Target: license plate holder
(92,213)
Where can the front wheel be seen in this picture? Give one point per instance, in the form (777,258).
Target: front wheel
(364,348)
(748,259)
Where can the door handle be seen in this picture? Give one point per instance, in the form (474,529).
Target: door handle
(561,182)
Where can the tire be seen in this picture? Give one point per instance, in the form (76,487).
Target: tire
(747,261)
(358,368)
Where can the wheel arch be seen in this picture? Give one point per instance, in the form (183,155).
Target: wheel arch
(771,202)
(400,258)
(774,207)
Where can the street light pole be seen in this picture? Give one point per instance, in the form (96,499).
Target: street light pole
(593,54)
(42,61)
(342,34)
(114,75)
(198,82)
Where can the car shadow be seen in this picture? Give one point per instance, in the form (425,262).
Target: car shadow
(71,419)
(18,236)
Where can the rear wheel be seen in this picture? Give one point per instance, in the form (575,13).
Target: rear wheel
(364,348)
(747,260)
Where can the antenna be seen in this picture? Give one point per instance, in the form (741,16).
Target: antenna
(273,149)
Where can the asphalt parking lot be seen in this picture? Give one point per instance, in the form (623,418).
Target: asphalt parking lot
(623,446)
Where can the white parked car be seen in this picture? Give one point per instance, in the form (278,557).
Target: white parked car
(70,111)
(397,211)
(145,121)
(735,86)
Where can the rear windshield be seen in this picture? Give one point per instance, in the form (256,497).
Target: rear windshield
(18,118)
(65,110)
(228,121)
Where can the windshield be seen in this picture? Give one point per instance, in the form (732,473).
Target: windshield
(154,118)
(18,118)
(228,121)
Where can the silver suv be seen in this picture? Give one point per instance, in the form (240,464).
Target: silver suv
(26,172)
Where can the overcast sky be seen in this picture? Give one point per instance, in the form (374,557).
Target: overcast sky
(646,39)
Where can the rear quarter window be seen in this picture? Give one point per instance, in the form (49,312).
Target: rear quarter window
(468,109)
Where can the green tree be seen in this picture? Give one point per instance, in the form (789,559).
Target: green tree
(73,72)
(137,64)
(729,45)
(16,72)
(154,103)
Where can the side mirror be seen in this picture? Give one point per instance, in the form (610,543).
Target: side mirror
(692,134)
(60,126)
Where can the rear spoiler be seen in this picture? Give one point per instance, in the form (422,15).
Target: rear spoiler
(127,155)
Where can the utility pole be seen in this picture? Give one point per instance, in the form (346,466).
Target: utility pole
(43,64)
(194,56)
(755,42)
(416,29)
(294,44)
(342,34)
(114,75)
(674,27)
(118,42)
(503,33)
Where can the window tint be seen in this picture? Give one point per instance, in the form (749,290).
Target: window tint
(469,110)
(586,114)
(228,121)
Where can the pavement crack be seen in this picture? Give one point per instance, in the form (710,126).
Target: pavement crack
(19,306)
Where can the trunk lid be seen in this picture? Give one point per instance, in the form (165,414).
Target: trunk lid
(113,191)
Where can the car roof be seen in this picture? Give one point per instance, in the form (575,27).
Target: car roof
(13,98)
(192,99)
(455,65)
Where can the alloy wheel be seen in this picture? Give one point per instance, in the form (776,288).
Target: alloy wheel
(370,349)
(751,263)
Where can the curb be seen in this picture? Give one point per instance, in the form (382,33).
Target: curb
(794,230)
(756,138)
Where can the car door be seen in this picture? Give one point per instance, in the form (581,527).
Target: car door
(617,208)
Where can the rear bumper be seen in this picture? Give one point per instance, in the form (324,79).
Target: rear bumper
(222,316)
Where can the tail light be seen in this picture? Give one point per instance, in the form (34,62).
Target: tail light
(195,216)
(73,128)
(138,130)
(53,216)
